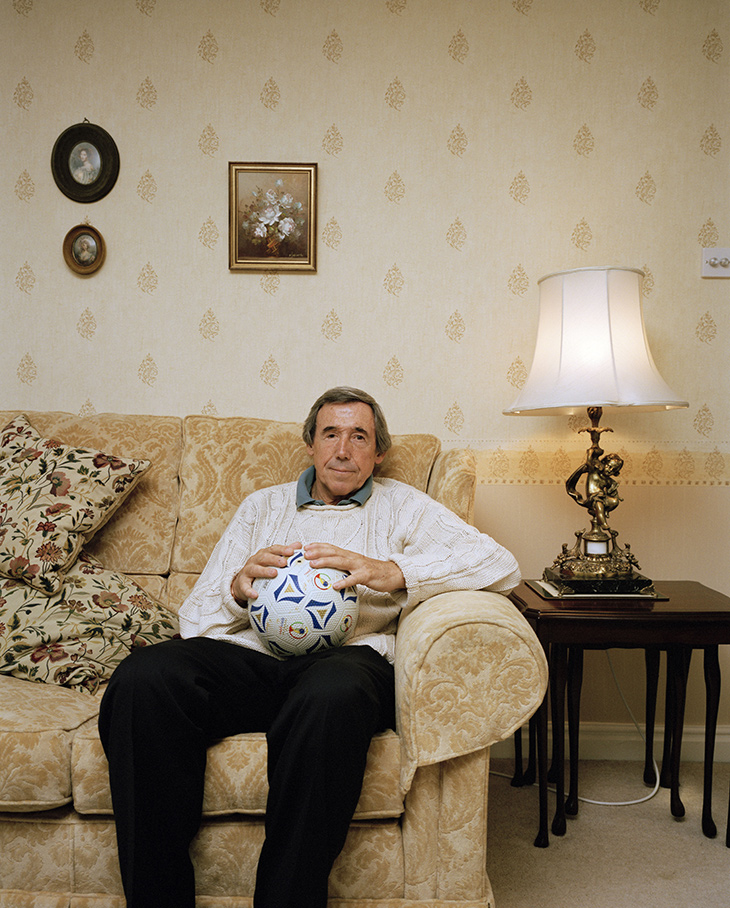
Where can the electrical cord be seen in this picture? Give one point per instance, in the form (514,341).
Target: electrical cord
(643,738)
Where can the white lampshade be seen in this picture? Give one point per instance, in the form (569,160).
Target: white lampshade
(591,348)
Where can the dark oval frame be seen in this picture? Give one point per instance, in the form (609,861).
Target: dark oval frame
(85,134)
(68,249)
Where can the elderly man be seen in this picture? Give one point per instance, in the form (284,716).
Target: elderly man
(166,704)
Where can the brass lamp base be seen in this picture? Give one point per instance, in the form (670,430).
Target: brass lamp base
(597,563)
(597,566)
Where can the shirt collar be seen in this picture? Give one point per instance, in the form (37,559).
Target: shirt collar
(306,481)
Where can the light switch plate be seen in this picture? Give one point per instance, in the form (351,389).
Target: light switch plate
(716,262)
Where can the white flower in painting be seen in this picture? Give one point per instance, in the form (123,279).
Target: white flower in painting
(274,216)
(287,227)
(270,214)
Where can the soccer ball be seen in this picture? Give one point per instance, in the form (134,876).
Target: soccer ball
(297,612)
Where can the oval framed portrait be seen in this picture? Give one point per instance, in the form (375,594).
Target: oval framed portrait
(84,249)
(85,162)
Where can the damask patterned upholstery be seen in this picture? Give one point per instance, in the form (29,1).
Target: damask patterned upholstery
(469,671)
(138,539)
(227,459)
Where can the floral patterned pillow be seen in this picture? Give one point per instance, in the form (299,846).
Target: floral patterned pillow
(53,498)
(78,636)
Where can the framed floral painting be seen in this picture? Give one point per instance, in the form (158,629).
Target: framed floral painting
(273,217)
(85,162)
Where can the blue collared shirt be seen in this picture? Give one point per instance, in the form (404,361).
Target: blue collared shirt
(306,481)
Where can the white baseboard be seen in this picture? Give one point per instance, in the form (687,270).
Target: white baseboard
(614,741)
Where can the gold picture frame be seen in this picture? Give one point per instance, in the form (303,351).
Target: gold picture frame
(272,217)
(84,249)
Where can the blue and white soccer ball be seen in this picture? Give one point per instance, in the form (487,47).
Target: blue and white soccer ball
(298,612)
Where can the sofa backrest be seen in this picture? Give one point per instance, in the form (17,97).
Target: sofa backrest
(203,467)
(225,459)
(139,537)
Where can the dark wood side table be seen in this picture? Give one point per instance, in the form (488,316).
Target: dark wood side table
(693,616)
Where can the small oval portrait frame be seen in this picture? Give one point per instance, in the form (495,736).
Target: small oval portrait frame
(84,249)
(85,162)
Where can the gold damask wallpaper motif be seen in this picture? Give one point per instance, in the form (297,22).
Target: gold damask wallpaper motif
(465,149)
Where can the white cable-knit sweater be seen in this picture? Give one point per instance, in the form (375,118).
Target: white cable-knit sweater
(436,551)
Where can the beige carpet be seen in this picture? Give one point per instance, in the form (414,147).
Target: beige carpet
(610,857)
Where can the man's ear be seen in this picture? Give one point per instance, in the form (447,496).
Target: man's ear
(379,458)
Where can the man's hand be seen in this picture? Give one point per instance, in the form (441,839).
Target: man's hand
(263,563)
(381,576)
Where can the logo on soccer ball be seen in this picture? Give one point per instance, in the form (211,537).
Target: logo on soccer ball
(322,581)
(299,612)
(297,630)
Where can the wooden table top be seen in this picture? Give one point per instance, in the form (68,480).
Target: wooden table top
(692,613)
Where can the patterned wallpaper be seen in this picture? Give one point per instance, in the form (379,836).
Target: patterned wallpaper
(465,149)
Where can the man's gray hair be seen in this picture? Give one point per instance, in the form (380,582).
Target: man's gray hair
(345,395)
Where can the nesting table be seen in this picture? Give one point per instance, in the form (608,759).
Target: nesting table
(689,616)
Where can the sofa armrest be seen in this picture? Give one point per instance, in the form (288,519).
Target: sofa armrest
(469,671)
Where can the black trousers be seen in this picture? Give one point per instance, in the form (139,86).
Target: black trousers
(167,703)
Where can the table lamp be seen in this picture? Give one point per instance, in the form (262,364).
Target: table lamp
(591,351)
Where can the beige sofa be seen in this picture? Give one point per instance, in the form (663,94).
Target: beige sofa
(469,672)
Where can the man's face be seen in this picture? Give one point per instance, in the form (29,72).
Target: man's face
(343,450)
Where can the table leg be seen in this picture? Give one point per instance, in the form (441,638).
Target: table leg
(678,659)
(531,771)
(665,773)
(575,682)
(528,774)
(559,658)
(538,737)
(518,777)
(712,700)
(651,658)
(541,724)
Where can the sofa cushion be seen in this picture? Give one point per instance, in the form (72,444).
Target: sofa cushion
(37,727)
(138,538)
(53,498)
(235,779)
(410,460)
(79,635)
(453,482)
(72,863)
(224,460)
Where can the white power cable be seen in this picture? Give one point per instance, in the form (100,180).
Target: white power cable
(643,738)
